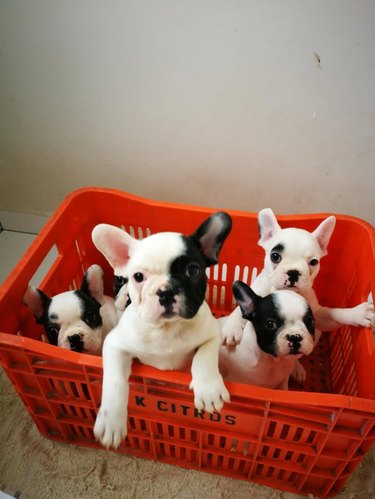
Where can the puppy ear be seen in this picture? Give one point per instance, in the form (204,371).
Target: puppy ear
(268,225)
(37,302)
(115,244)
(93,283)
(246,298)
(323,233)
(212,234)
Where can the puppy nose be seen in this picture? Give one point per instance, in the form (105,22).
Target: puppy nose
(166,297)
(294,342)
(293,276)
(294,338)
(75,343)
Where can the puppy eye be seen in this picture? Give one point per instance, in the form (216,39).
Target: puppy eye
(313,262)
(276,258)
(271,325)
(310,323)
(193,271)
(121,280)
(53,330)
(91,318)
(139,277)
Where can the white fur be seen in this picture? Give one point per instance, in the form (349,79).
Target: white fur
(248,363)
(300,246)
(67,307)
(143,333)
(294,309)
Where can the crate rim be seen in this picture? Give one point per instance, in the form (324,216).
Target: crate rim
(236,389)
(42,239)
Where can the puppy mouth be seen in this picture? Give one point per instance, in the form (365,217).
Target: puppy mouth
(169,314)
(294,355)
(290,285)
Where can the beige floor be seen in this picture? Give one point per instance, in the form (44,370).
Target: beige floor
(33,467)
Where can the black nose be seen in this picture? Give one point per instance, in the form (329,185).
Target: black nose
(293,276)
(294,342)
(75,343)
(166,298)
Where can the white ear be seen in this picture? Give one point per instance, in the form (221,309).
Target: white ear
(268,225)
(93,283)
(115,244)
(323,233)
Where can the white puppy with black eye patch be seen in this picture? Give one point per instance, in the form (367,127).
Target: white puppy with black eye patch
(292,261)
(279,330)
(76,320)
(167,323)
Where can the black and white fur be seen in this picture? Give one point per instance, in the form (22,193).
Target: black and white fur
(76,320)
(279,329)
(292,261)
(167,323)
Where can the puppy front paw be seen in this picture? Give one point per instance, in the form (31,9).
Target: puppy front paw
(110,427)
(232,332)
(363,315)
(299,373)
(210,394)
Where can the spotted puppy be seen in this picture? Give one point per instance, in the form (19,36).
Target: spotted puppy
(279,330)
(76,320)
(167,324)
(292,261)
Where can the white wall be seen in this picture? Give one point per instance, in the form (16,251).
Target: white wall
(209,102)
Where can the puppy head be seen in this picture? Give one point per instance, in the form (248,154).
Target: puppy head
(165,272)
(71,319)
(283,321)
(293,255)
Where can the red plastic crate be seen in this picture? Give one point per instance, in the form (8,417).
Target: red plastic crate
(303,441)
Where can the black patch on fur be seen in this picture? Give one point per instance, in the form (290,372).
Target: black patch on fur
(267,310)
(279,248)
(192,289)
(309,321)
(50,326)
(52,330)
(211,256)
(118,283)
(89,310)
(45,302)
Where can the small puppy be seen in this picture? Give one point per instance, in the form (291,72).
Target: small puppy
(167,323)
(75,320)
(292,261)
(280,329)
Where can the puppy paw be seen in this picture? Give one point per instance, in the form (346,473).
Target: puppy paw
(232,332)
(299,373)
(363,315)
(110,427)
(210,395)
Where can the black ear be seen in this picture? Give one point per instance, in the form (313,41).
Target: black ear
(211,235)
(246,298)
(37,302)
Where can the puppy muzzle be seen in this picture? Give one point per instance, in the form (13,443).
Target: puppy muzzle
(159,301)
(295,343)
(291,277)
(80,338)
